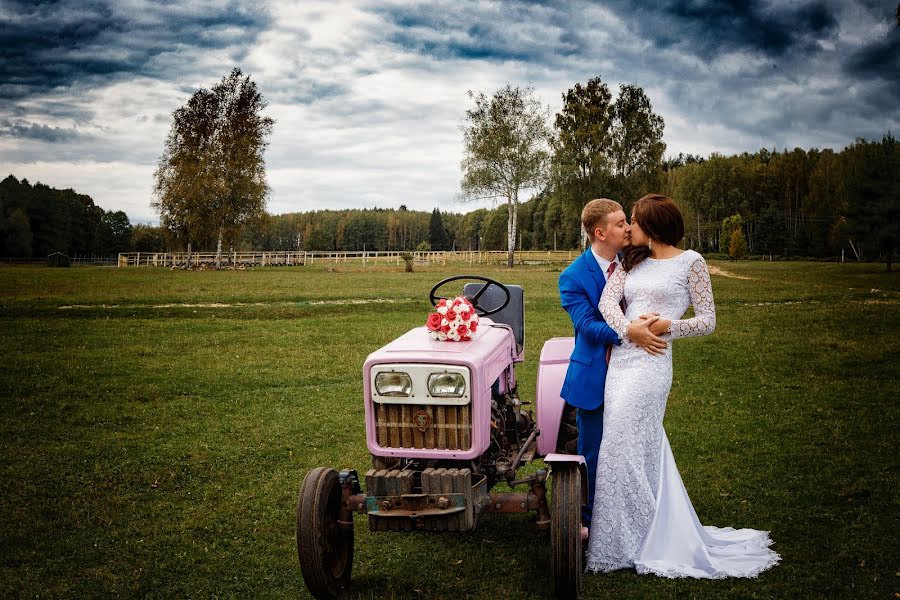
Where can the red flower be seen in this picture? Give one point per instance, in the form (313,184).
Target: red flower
(443,302)
(445,328)
(465,315)
(473,326)
(463,331)
(434,321)
(451,315)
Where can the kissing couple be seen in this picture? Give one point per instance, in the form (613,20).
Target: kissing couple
(626,296)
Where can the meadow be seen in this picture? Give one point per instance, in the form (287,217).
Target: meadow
(157,425)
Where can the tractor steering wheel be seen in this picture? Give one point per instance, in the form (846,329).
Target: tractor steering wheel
(479,310)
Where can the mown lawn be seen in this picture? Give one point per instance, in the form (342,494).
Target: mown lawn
(157,425)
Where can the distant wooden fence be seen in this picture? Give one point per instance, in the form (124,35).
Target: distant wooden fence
(299,258)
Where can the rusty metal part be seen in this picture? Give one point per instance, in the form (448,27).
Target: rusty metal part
(352,504)
(439,499)
(513,503)
(518,458)
(539,489)
(411,505)
(348,502)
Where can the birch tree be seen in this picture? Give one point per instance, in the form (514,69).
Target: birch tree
(505,141)
(211,177)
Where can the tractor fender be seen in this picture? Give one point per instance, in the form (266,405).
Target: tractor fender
(551,374)
(560,461)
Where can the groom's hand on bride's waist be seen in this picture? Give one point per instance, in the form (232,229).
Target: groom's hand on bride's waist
(643,332)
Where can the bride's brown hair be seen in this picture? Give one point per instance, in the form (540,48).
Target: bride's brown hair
(659,217)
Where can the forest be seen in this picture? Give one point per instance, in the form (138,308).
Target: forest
(799,203)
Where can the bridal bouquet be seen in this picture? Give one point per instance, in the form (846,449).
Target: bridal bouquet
(454,320)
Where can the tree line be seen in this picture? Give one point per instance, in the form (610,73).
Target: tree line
(798,203)
(808,203)
(38,220)
(812,203)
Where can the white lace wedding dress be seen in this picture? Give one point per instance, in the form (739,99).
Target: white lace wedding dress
(642,515)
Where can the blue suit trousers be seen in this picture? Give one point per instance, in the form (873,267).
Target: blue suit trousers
(590,432)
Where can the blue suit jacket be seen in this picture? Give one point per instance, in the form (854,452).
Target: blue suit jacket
(580,287)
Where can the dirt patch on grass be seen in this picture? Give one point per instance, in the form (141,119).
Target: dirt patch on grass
(717,271)
(244,304)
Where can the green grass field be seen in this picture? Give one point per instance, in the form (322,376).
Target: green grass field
(157,425)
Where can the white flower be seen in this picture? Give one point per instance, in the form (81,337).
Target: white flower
(442,310)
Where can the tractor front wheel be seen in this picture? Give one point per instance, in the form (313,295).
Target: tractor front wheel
(565,531)
(324,547)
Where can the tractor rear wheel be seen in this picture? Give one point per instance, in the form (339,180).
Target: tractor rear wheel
(565,531)
(325,549)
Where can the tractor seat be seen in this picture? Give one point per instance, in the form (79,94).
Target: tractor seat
(514,312)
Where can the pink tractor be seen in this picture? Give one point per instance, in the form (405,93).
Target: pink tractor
(444,424)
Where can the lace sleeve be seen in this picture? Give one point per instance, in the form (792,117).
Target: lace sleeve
(613,292)
(700,288)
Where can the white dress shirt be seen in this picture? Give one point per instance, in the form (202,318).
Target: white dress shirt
(604,264)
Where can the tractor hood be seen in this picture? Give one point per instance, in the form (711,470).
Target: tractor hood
(490,353)
(488,342)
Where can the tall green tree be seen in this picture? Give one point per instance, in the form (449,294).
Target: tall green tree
(211,177)
(505,140)
(582,146)
(637,145)
(729,225)
(872,180)
(605,146)
(437,235)
(16,232)
(113,233)
(57,220)
(147,238)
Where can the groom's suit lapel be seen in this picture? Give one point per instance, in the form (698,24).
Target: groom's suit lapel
(594,269)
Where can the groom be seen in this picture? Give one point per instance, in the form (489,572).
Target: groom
(580,287)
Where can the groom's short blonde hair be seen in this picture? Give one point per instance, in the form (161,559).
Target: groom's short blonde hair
(594,214)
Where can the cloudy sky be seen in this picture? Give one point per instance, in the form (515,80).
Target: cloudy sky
(368,96)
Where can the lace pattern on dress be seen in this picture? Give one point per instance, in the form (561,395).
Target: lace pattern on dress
(637,389)
(700,289)
(613,293)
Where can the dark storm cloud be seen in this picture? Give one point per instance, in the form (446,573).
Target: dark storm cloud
(45,45)
(704,28)
(711,26)
(475,31)
(36,131)
(878,60)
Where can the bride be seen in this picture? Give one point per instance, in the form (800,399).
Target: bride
(642,516)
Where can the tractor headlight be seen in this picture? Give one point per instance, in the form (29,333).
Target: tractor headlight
(446,385)
(393,383)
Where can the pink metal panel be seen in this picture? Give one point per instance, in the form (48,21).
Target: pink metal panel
(562,458)
(487,355)
(551,373)
(567,459)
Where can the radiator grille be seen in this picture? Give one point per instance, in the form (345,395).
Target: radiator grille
(450,427)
